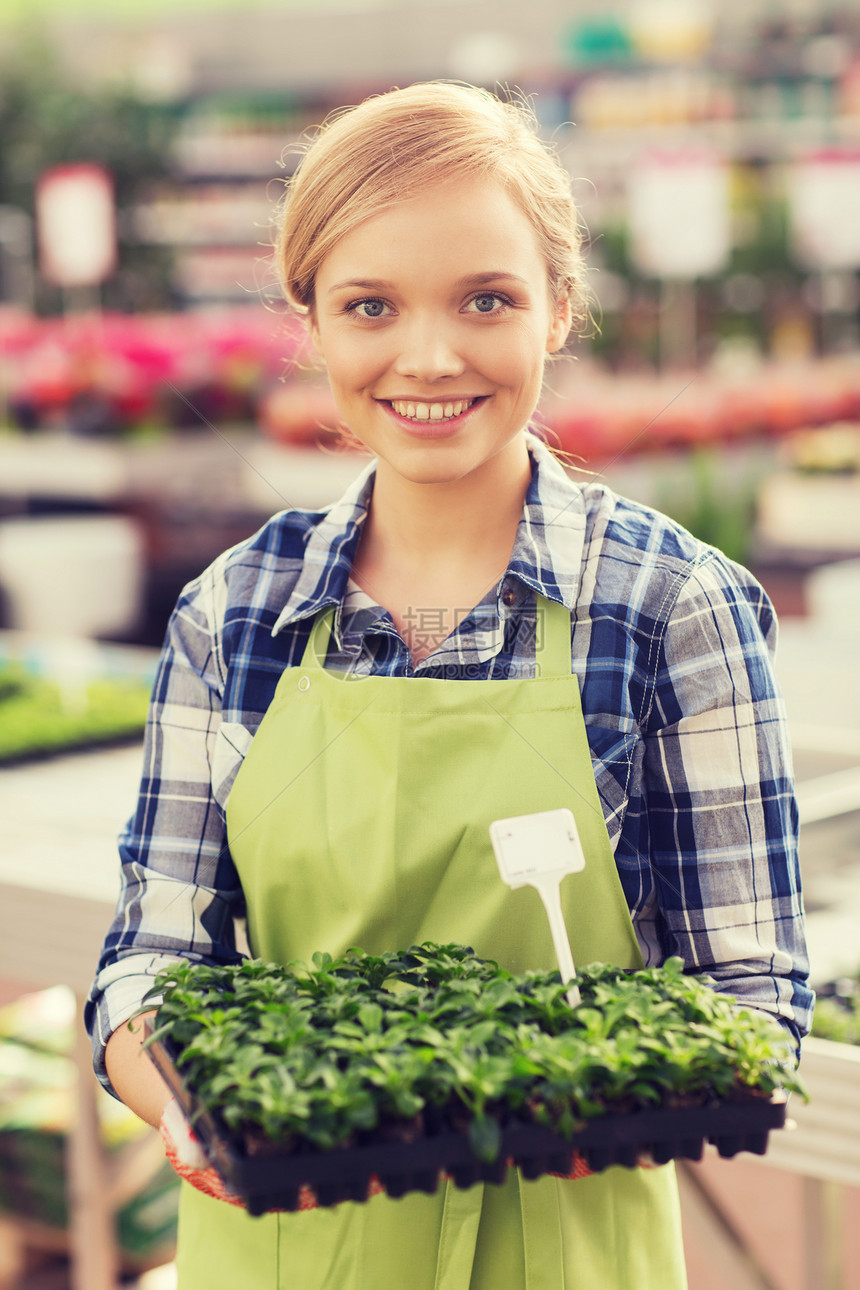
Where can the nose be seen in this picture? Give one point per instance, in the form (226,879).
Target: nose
(428,349)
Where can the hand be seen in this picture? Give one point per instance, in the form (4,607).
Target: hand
(190,1161)
(188,1158)
(578,1169)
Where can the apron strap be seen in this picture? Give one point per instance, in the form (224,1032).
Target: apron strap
(316,649)
(552,638)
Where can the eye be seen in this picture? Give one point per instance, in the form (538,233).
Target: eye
(367,308)
(488,302)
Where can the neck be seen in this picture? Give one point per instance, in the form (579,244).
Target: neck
(455,524)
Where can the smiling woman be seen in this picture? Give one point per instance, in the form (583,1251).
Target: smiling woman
(428,337)
(437,373)
(349,700)
(432,241)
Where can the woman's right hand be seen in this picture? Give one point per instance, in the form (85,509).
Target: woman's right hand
(190,1161)
(187,1156)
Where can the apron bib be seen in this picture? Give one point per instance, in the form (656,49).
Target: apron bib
(360,817)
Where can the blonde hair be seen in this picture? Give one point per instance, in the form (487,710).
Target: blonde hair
(366,158)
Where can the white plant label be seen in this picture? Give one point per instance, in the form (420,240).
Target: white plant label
(538,851)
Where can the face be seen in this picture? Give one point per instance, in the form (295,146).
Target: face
(434,319)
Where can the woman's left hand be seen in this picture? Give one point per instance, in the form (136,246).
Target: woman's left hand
(578,1169)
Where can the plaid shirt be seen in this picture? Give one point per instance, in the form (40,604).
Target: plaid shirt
(672,646)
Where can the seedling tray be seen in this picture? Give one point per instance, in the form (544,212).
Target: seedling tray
(271,1180)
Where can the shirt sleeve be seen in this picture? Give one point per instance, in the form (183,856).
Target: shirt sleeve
(179,890)
(720,798)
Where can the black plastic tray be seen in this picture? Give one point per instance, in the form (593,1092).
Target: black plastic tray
(269,1182)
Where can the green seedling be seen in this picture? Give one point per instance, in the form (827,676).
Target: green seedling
(327,1055)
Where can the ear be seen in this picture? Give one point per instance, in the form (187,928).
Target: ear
(560,325)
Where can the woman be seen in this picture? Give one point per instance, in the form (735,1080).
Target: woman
(347,700)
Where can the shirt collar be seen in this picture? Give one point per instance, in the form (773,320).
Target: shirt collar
(547,553)
(329,553)
(546,557)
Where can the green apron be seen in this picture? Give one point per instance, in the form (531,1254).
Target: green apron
(360,818)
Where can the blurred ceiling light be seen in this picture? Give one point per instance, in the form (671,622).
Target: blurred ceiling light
(484,57)
(161,69)
(826,56)
(671,29)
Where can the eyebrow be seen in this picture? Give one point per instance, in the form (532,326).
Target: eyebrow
(471,280)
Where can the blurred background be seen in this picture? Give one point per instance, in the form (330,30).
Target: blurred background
(157,405)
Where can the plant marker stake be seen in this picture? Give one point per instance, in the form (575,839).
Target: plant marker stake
(538,851)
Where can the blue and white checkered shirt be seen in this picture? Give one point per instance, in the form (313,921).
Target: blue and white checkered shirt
(672,646)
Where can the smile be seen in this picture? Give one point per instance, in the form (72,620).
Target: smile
(431,411)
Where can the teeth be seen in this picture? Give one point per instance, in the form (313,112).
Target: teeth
(431,411)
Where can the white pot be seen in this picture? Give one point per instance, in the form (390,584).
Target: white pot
(72,575)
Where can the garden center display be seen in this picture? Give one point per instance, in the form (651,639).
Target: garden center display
(393,1069)
(837,1011)
(40,718)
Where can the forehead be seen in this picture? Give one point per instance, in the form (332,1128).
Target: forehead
(459,228)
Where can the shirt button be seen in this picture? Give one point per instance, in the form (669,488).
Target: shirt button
(509,597)
(304,682)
